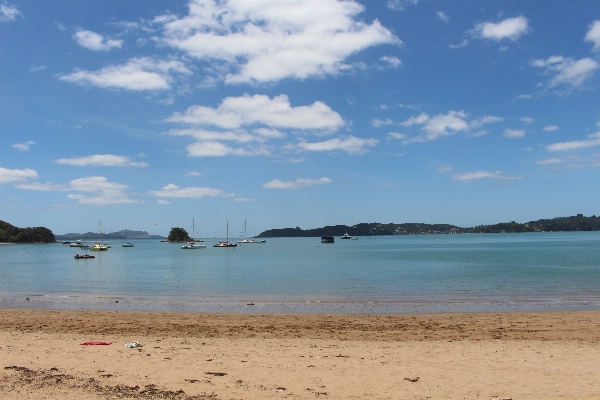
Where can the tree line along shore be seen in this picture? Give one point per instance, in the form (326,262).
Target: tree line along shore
(579,222)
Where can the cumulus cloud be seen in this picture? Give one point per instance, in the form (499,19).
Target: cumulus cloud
(514,133)
(17,175)
(396,135)
(94,41)
(138,74)
(102,191)
(592,141)
(379,122)
(192,192)
(235,112)
(101,160)
(593,35)
(567,71)
(300,183)
(470,176)
(351,145)
(439,125)
(9,12)
(23,146)
(510,28)
(265,41)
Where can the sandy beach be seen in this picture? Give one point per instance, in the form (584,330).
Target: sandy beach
(553,355)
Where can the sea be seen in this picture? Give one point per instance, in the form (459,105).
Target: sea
(540,271)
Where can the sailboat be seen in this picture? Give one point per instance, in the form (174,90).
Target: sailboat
(250,240)
(226,242)
(99,246)
(192,244)
(126,244)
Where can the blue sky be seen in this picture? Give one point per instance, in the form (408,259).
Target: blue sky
(146,114)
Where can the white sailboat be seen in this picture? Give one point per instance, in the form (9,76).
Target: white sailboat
(249,240)
(226,242)
(126,244)
(191,245)
(100,246)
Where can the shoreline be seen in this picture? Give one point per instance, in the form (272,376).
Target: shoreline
(190,356)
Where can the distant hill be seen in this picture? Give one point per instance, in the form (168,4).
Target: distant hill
(12,234)
(107,236)
(561,224)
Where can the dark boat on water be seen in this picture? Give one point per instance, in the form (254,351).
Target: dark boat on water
(327,239)
(78,256)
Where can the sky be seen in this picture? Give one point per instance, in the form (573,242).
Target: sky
(146,115)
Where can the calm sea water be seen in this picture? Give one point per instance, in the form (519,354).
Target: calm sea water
(393,274)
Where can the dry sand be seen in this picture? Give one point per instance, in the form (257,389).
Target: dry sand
(544,355)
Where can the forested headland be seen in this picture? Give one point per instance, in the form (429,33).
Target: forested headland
(577,222)
(12,234)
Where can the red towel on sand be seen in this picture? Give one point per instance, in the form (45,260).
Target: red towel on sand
(96,343)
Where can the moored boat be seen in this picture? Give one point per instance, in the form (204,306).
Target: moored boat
(226,242)
(346,236)
(193,245)
(98,246)
(327,239)
(77,243)
(126,244)
(80,256)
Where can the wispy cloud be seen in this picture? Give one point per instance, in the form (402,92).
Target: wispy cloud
(592,141)
(9,12)
(554,160)
(218,149)
(510,28)
(17,175)
(379,122)
(514,133)
(399,5)
(192,192)
(350,145)
(94,41)
(268,41)
(462,44)
(567,71)
(138,74)
(101,160)
(551,128)
(470,176)
(391,61)
(300,183)
(23,146)
(443,16)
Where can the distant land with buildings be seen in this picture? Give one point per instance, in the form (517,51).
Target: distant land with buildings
(108,236)
(578,222)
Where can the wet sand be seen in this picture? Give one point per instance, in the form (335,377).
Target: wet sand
(542,355)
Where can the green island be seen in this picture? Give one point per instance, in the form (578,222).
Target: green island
(179,235)
(12,234)
(561,224)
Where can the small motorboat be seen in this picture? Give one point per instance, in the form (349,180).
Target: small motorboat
(225,244)
(327,239)
(79,256)
(193,245)
(346,236)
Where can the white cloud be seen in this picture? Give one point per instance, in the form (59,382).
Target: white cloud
(567,71)
(37,68)
(470,176)
(103,191)
(265,41)
(16,175)
(23,146)
(243,199)
(439,125)
(300,183)
(524,97)
(593,140)
(444,168)
(161,201)
(60,26)
(551,128)
(235,112)
(240,136)
(42,187)
(193,173)
(218,149)
(399,5)
(593,35)
(554,160)
(487,119)
(442,16)
(514,133)
(351,145)
(9,12)
(391,61)
(378,122)
(510,28)
(396,135)
(94,41)
(174,191)
(462,44)
(101,160)
(138,74)
(527,120)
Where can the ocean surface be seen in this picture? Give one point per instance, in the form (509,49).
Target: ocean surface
(384,274)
